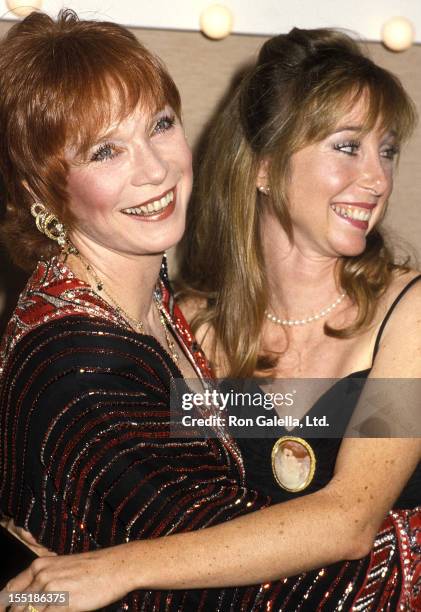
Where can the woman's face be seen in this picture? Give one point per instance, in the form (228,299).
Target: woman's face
(130,194)
(339,187)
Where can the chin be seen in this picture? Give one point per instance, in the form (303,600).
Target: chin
(168,241)
(350,248)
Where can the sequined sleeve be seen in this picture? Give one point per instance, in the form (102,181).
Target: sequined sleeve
(87,459)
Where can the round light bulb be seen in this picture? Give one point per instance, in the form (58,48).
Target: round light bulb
(22,8)
(398,34)
(216,22)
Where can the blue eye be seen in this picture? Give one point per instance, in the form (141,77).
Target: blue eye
(164,124)
(350,147)
(104,152)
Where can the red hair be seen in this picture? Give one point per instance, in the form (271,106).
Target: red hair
(62,83)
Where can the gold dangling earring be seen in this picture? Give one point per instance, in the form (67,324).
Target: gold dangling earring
(49,225)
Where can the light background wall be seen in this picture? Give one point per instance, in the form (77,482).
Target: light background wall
(249,16)
(204,69)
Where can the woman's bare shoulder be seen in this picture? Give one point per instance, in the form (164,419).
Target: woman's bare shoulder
(205,333)
(401,279)
(400,344)
(412,297)
(191,306)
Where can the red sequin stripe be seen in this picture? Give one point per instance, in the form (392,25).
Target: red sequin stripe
(185,332)
(408,526)
(331,591)
(395,560)
(52,293)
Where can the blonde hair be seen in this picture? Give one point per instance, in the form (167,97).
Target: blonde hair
(301,86)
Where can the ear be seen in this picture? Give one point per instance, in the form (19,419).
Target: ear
(262,182)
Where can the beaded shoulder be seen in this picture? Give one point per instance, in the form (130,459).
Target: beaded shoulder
(51,293)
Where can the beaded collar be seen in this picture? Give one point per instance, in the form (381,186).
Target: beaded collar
(53,292)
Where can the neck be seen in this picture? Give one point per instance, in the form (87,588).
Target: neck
(300,281)
(128,279)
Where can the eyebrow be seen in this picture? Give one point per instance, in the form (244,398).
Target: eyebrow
(114,129)
(360,128)
(348,128)
(108,134)
(392,133)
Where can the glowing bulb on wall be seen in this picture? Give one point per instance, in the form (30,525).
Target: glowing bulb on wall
(216,22)
(22,8)
(398,34)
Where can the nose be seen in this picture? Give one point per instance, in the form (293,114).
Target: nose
(376,173)
(149,165)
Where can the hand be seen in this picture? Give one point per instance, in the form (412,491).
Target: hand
(27,538)
(93,579)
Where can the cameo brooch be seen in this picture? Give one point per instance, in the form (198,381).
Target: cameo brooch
(293,463)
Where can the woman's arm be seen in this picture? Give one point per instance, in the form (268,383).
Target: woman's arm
(26,538)
(338,522)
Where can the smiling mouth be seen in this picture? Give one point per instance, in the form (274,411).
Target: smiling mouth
(354,213)
(153,207)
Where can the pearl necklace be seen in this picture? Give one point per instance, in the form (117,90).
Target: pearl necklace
(124,315)
(316,317)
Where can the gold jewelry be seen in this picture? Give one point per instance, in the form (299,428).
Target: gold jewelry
(165,322)
(32,608)
(316,317)
(136,325)
(124,315)
(47,223)
(293,463)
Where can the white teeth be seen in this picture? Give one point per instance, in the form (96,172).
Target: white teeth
(348,212)
(151,207)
